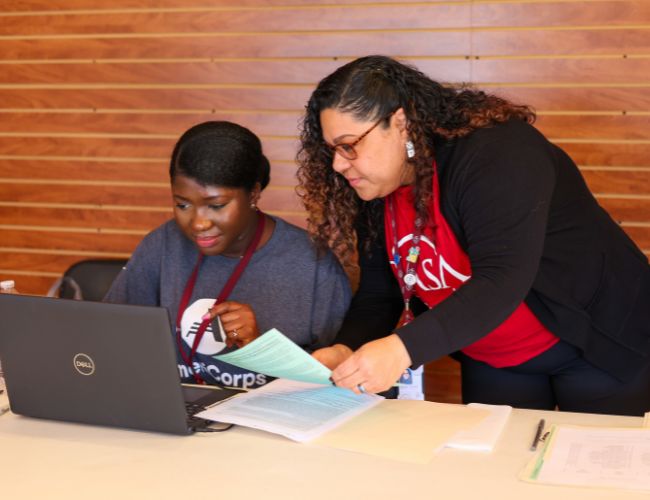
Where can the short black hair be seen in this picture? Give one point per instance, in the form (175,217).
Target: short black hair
(220,153)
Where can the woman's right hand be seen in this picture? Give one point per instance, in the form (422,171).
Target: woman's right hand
(374,367)
(332,356)
(238,321)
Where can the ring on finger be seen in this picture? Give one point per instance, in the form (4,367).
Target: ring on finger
(234,333)
(361,388)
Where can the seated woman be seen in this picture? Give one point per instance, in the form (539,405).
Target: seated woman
(263,271)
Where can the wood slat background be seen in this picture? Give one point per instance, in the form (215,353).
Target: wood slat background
(92,98)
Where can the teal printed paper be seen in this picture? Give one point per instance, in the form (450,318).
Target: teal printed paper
(276,355)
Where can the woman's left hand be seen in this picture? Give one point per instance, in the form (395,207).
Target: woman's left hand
(238,321)
(374,367)
(333,355)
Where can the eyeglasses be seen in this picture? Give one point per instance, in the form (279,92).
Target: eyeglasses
(346,150)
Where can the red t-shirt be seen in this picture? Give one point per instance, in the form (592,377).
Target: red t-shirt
(443,267)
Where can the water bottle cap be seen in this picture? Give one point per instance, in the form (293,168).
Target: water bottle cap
(7,284)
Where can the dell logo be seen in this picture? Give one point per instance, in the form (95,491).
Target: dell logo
(83,364)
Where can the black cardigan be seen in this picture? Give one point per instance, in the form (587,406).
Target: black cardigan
(532,230)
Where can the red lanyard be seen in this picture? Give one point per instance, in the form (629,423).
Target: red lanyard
(225,292)
(407,279)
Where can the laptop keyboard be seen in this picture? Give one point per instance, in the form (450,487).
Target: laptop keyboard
(191,409)
(200,424)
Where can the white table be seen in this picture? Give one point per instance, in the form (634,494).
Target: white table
(53,460)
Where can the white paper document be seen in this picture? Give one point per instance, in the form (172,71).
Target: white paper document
(298,410)
(593,456)
(484,435)
(276,355)
(402,429)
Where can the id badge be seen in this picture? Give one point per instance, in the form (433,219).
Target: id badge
(410,384)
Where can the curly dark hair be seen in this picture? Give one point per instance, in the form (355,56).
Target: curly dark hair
(372,88)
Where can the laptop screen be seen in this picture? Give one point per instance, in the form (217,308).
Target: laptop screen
(91,362)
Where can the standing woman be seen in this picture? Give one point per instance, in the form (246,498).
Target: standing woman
(468,218)
(263,272)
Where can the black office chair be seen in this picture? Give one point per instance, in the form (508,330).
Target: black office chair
(87,279)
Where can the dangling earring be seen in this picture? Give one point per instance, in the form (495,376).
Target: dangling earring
(410,149)
(253,206)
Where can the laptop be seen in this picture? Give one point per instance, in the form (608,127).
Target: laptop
(97,363)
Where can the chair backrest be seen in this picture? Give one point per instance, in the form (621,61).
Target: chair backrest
(87,279)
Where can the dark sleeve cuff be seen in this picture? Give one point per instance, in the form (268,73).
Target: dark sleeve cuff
(421,341)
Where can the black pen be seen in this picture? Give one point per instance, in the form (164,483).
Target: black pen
(538,434)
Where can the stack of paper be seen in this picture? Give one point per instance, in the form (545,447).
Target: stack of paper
(593,456)
(402,429)
(304,405)
(484,435)
(298,410)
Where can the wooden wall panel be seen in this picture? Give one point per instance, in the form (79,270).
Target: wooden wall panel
(249,45)
(93,97)
(36,215)
(620,180)
(260,19)
(597,127)
(70,240)
(160,123)
(18,7)
(608,152)
(619,70)
(582,98)
(559,13)
(639,232)
(37,262)
(99,171)
(83,194)
(487,43)
(626,208)
(111,197)
(29,281)
(442,380)
(564,42)
(116,172)
(556,98)
(167,73)
(196,73)
(86,145)
(152,97)
(106,146)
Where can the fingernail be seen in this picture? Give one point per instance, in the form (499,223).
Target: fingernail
(205,316)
